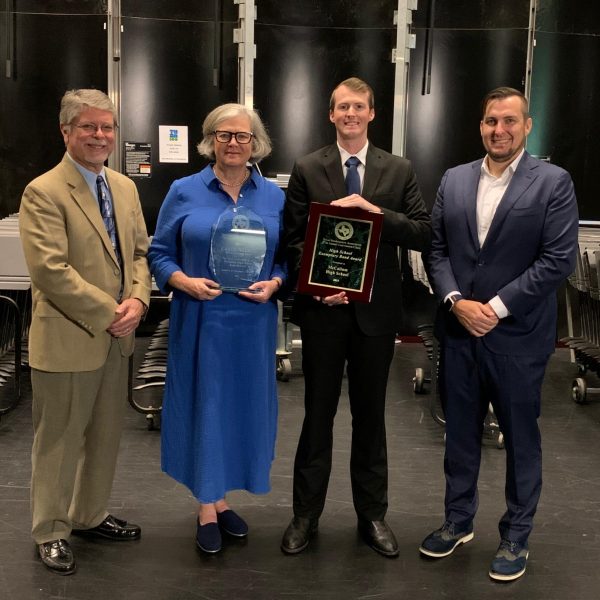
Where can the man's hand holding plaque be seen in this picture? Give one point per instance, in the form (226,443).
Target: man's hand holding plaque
(356,201)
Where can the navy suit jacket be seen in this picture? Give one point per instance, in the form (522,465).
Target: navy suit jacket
(528,252)
(389,183)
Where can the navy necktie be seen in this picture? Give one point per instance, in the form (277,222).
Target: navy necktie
(106,210)
(352,176)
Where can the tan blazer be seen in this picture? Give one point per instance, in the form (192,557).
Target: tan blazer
(75,276)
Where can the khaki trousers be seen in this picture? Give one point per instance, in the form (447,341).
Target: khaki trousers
(77,420)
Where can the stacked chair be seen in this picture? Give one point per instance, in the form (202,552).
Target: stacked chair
(15,313)
(583,312)
(151,373)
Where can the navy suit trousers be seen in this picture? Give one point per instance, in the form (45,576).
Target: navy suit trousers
(473,377)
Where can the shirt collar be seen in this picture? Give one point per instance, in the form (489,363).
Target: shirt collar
(508,172)
(89,176)
(361,154)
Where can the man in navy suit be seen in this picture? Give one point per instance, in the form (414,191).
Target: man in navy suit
(504,239)
(339,335)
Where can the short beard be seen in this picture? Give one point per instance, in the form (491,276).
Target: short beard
(504,157)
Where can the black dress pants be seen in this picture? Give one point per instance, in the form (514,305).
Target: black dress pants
(324,357)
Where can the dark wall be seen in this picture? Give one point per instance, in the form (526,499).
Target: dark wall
(56,46)
(303,52)
(473,47)
(565,95)
(170,51)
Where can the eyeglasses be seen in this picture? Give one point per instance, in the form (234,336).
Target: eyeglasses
(241,137)
(90,128)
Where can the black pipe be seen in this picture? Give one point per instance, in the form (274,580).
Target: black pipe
(426,87)
(10,55)
(217,46)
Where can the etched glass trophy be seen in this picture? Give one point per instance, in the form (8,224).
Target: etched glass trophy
(237,249)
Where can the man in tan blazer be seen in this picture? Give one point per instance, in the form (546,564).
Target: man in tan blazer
(85,244)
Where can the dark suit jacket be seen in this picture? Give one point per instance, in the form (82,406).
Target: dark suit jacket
(390,183)
(529,250)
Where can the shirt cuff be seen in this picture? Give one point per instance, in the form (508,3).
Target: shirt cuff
(499,307)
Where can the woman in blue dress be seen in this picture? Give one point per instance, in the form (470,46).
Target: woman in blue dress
(219,413)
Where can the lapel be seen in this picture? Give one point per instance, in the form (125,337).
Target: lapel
(523,177)
(373,171)
(469,195)
(83,197)
(332,163)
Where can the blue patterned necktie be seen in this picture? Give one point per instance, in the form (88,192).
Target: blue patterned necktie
(106,210)
(352,176)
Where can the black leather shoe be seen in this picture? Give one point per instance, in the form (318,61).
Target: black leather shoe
(58,557)
(379,536)
(113,529)
(298,534)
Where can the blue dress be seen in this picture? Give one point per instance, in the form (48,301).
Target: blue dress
(219,414)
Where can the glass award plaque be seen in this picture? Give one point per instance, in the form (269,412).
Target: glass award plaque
(237,249)
(340,251)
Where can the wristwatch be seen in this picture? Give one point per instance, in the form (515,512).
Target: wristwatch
(452,300)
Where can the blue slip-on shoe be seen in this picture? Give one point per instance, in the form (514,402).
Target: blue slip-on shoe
(231,523)
(208,537)
(510,561)
(443,541)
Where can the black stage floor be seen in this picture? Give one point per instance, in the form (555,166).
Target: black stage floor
(165,565)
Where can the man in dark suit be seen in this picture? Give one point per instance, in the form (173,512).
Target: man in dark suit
(336,332)
(85,244)
(504,239)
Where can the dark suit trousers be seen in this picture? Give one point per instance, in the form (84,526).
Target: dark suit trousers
(470,378)
(368,358)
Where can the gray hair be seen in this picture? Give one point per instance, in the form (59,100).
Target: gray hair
(261,143)
(74,102)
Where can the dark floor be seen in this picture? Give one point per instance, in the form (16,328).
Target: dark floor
(165,565)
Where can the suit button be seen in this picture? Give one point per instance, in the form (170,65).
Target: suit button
(116,271)
(481,263)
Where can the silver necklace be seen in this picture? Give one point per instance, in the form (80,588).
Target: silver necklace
(239,183)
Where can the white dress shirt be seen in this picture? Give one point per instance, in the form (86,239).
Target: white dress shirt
(489,195)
